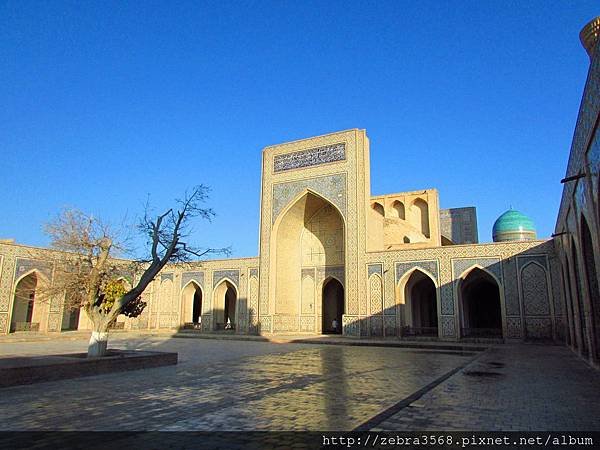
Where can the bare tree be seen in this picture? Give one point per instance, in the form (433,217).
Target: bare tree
(90,276)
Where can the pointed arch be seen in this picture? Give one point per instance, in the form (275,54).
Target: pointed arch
(378,208)
(297,242)
(418,291)
(27,312)
(535,297)
(225,304)
(480,303)
(192,299)
(398,209)
(296,199)
(420,211)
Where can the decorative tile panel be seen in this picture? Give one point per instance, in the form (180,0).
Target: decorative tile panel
(448,327)
(24,265)
(307,324)
(253,272)
(511,292)
(513,327)
(331,271)
(376,294)
(491,264)
(331,187)
(309,157)
(542,260)
(430,266)
(265,324)
(534,290)
(375,268)
(197,276)
(166,276)
(351,325)
(232,274)
(389,326)
(3,323)
(376,326)
(538,328)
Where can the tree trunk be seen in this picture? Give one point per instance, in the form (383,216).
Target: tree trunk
(98,341)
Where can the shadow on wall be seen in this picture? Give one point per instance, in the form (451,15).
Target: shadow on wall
(515,298)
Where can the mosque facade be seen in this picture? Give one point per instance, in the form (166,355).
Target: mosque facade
(334,259)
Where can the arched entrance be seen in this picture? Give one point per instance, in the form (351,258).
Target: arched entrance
(308,245)
(26,313)
(332,307)
(421,305)
(591,277)
(225,301)
(192,301)
(481,314)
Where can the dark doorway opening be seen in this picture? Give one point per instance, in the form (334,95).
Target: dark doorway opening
(420,294)
(333,307)
(482,314)
(197,307)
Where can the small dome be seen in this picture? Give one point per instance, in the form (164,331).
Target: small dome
(513,226)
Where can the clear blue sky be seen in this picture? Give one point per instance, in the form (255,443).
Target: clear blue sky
(102,103)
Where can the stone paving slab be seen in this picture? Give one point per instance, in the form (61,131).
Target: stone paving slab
(510,388)
(233,385)
(262,386)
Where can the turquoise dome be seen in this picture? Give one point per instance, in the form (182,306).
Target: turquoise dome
(513,225)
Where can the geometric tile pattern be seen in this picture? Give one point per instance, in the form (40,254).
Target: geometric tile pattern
(331,187)
(233,275)
(430,266)
(198,277)
(534,290)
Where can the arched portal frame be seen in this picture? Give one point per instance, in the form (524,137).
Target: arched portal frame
(39,308)
(273,243)
(188,297)
(220,309)
(401,298)
(460,310)
(340,306)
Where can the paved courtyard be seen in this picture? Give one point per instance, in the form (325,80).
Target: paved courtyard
(242,385)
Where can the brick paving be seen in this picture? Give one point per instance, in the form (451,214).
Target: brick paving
(237,385)
(510,388)
(226,385)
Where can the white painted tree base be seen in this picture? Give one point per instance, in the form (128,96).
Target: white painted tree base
(97,344)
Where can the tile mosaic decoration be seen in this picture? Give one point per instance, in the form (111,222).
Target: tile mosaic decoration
(232,274)
(331,187)
(309,157)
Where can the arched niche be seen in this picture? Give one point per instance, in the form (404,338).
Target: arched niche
(398,210)
(28,312)
(420,212)
(225,298)
(480,305)
(378,208)
(309,234)
(420,299)
(192,297)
